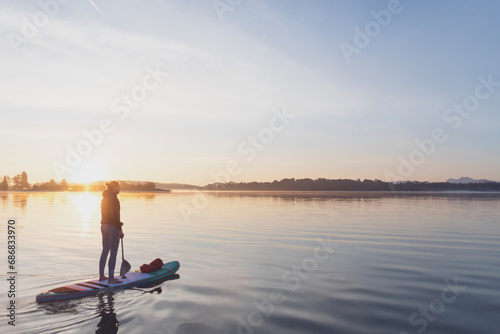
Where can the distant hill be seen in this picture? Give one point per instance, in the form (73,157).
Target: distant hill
(467,180)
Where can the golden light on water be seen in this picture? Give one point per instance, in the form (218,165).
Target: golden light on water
(87,204)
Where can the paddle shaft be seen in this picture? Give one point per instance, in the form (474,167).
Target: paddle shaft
(123,256)
(125,268)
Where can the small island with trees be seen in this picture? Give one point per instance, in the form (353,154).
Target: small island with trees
(20,183)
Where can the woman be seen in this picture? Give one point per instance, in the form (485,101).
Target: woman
(111,229)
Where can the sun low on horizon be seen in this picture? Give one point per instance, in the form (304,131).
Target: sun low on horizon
(90,171)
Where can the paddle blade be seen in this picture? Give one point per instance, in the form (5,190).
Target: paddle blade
(125,268)
(125,265)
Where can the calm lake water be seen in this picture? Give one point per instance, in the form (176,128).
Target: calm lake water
(265,263)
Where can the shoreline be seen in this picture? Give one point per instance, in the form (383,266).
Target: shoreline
(166,191)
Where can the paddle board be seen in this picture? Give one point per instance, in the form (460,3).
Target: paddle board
(94,287)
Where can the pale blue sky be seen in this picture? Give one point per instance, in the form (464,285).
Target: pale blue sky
(352,120)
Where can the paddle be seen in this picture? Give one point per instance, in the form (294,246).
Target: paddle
(125,265)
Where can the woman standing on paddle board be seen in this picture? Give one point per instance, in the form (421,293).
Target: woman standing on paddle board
(111,229)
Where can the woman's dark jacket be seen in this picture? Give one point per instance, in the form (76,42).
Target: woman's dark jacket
(110,209)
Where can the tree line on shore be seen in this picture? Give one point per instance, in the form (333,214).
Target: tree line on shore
(322,184)
(20,183)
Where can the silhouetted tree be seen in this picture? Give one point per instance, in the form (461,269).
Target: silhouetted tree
(5,183)
(147,186)
(24,181)
(21,181)
(17,182)
(52,184)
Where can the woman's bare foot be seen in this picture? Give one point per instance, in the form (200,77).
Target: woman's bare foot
(113,280)
(103,278)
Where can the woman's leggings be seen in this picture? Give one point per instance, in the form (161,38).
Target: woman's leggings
(110,242)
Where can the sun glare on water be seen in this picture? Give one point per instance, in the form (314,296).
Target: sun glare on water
(87,206)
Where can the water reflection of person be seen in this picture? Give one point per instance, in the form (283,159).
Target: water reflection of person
(106,310)
(111,229)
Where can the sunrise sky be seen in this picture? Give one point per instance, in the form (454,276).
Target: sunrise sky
(183,91)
